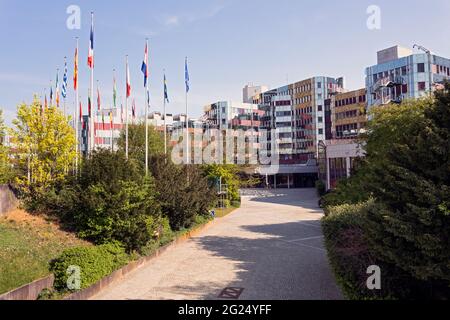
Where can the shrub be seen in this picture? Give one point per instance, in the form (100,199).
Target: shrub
(95,263)
(111,201)
(350,255)
(183,192)
(321,188)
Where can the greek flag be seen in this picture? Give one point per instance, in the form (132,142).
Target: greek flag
(64,84)
(186,76)
(166,95)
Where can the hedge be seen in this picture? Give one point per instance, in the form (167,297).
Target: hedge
(95,263)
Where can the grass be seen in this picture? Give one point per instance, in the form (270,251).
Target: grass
(27,244)
(220,213)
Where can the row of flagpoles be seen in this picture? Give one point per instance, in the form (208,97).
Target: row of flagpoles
(91,127)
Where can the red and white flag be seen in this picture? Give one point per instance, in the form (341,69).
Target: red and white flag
(91,46)
(128,82)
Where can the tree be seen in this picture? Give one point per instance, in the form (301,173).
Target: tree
(45,146)
(136,142)
(228,175)
(407,173)
(409,170)
(111,201)
(5,166)
(182,199)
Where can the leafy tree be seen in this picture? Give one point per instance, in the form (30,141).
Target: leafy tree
(181,199)
(407,172)
(46,146)
(228,173)
(111,201)
(5,166)
(136,142)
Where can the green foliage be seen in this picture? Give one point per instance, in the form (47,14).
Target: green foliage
(6,171)
(94,262)
(45,145)
(321,188)
(136,142)
(229,175)
(183,192)
(111,201)
(407,172)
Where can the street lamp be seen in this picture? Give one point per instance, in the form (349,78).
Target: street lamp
(430,65)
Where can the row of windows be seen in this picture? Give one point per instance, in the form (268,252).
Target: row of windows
(300,89)
(348,127)
(352,100)
(443,70)
(304,99)
(347,114)
(281,103)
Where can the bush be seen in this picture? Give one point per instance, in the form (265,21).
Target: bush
(321,188)
(350,255)
(95,263)
(182,199)
(111,201)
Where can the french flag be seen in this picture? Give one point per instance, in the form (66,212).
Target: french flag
(144,67)
(128,81)
(91,46)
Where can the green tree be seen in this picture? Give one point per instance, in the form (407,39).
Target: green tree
(228,174)
(45,146)
(407,172)
(136,142)
(182,199)
(111,201)
(5,165)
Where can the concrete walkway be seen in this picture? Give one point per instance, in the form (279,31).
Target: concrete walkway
(272,248)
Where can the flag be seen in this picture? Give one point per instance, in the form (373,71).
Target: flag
(91,45)
(64,84)
(111,119)
(51,95)
(128,82)
(166,95)
(144,67)
(81,112)
(186,76)
(89,105)
(115,92)
(103,120)
(57,90)
(121,113)
(133,108)
(45,101)
(99,105)
(75,71)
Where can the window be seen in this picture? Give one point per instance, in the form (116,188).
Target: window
(320,131)
(319,85)
(320,119)
(421,67)
(421,86)
(320,108)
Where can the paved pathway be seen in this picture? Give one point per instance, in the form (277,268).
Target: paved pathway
(272,248)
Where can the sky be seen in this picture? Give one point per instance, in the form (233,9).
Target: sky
(229,43)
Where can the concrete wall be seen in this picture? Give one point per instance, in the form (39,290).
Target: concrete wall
(30,291)
(8,201)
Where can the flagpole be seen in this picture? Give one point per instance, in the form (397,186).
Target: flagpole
(165,115)
(92,122)
(126,111)
(115,107)
(77,102)
(187,123)
(147,104)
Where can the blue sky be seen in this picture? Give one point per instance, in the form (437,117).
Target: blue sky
(229,43)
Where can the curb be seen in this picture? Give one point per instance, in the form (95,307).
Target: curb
(122,273)
(29,291)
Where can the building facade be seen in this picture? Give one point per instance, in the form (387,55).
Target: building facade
(401,74)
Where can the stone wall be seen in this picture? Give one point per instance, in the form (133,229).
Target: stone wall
(8,200)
